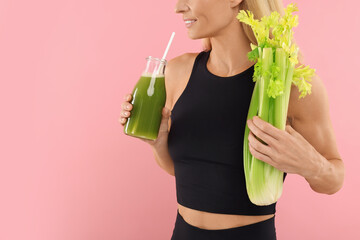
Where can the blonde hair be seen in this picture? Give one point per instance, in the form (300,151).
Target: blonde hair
(259,8)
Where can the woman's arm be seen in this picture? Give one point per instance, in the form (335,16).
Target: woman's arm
(312,120)
(164,160)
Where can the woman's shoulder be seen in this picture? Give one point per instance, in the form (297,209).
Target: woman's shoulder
(299,108)
(179,67)
(181,61)
(177,72)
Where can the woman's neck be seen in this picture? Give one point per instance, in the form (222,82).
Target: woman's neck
(229,51)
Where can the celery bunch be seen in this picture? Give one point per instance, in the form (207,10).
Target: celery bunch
(274,72)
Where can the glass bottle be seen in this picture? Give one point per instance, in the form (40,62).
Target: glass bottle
(148,100)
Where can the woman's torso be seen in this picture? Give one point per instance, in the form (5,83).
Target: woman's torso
(179,77)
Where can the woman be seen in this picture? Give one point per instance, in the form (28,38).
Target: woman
(208,96)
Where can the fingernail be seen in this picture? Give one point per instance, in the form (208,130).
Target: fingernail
(128,107)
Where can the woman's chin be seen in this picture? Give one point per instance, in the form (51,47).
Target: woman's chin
(194,36)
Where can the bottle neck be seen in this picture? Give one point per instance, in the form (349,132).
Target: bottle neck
(155,65)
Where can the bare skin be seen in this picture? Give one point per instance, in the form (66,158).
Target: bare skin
(216,221)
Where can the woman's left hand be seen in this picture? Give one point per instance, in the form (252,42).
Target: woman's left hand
(286,150)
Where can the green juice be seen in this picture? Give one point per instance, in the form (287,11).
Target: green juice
(148,100)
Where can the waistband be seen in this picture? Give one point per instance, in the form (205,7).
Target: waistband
(264,230)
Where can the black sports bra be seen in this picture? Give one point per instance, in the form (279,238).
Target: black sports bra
(206,142)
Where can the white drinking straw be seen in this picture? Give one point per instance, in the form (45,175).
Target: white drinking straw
(166,51)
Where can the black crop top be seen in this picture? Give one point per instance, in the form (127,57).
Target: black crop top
(206,142)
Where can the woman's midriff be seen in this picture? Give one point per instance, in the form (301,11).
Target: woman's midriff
(215,221)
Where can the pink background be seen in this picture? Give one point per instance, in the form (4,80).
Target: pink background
(67,171)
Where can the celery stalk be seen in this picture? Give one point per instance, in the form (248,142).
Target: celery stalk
(280,106)
(248,161)
(267,59)
(274,73)
(264,181)
(289,77)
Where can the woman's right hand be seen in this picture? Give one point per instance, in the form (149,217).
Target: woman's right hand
(162,138)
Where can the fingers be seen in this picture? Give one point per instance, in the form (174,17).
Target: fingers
(258,146)
(127,105)
(125,114)
(122,120)
(266,129)
(128,97)
(126,108)
(258,132)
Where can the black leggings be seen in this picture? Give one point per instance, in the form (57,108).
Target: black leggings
(264,230)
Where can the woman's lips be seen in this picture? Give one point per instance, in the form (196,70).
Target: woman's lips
(189,23)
